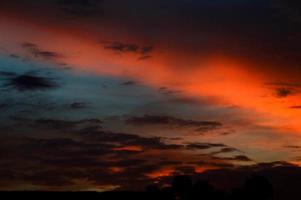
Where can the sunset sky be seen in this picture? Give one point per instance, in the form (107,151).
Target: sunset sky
(97,95)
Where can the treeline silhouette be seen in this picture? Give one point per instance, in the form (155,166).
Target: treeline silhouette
(181,188)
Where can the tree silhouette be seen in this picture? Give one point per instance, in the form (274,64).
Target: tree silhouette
(153,191)
(182,186)
(202,189)
(255,188)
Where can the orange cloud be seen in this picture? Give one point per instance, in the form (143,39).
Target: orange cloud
(116,170)
(201,169)
(161,173)
(128,148)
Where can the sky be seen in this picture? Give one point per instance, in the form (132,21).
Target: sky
(98,95)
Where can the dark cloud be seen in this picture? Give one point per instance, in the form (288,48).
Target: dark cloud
(57,162)
(240,158)
(64,124)
(202,146)
(293,147)
(122,48)
(205,129)
(222,165)
(80,151)
(127,163)
(266,165)
(30,82)
(92,130)
(78,105)
(283,92)
(295,107)
(7,74)
(167,91)
(129,83)
(14,56)
(58,11)
(170,162)
(172,121)
(144,57)
(92,133)
(189,101)
(284,89)
(227,150)
(35,51)
(3,106)
(118,47)
(146,50)
(222,149)
(81,8)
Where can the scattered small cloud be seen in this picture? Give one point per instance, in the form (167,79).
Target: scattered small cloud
(30,82)
(64,124)
(171,122)
(129,83)
(7,74)
(37,52)
(240,158)
(226,150)
(295,107)
(144,52)
(81,8)
(144,57)
(283,92)
(284,89)
(3,106)
(167,91)
(168,120)
(293,147)
(78,105)
(14,56)
(204,146)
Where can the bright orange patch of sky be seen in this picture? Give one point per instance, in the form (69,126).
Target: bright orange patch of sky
(161,173)
(128,148)
(116,170)
(201,169)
